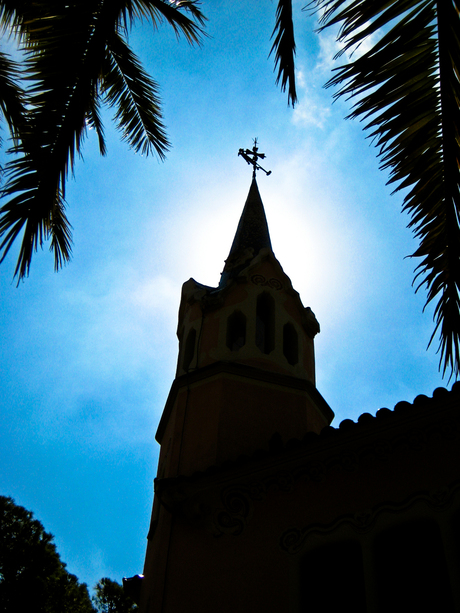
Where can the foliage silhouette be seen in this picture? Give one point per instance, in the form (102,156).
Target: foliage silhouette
(32,575)
(111,598)
(50,118)
(406,88)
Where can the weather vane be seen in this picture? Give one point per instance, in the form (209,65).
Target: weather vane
(246,155)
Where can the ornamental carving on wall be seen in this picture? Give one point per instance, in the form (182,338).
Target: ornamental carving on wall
(294,540)
(264,282)
(236,511)
(237,502)
(235,507)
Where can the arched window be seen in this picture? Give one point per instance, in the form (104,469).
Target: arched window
(411,569)
(236,331)
(189,350)
(265,323)
(332,579)
(290,344)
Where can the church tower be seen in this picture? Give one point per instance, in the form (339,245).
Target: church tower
(246,365)
(245,381)
(261,505)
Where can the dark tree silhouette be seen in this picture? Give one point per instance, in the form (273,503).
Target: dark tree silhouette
(32,575)
(111,598)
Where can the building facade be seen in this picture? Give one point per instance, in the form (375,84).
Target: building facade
(261,505)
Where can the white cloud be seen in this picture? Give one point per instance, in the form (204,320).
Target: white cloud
(330,47)
(310,112)
(153,295)
(313,108)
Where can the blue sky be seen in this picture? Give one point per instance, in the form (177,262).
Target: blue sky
(88,354)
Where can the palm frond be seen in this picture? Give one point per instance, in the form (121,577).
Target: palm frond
(406,87)
(93,118)
(11,17)
(174,13)
(36,224)
(61,97)
(129,89)
(284,49)
(12,103)
(64,99)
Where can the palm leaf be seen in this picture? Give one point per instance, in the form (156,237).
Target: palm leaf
(406,89)
(93,118)
(174,13)
(11,17)
(284,49)
(11,94)
(60,98)
(64,99)
(129,89)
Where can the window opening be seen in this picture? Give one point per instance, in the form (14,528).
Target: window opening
(411,569)
(236,331)
(333,579)
(265,323)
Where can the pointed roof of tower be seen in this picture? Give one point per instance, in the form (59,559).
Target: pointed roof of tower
(251,236)
(252,231)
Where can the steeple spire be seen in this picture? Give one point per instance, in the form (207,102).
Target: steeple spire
(251,236)
(246,363)
(245,380)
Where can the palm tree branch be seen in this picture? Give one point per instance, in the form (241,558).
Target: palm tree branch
(94,120)
(12,103)
(54,132)
(135,95)
(406,89)
(174,13)
(64,99)
(284,49)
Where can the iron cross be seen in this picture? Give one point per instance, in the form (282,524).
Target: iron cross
(246,155)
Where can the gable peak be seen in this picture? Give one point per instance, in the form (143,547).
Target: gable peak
(251,236)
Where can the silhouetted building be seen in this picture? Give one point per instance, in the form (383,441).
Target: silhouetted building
(260,505)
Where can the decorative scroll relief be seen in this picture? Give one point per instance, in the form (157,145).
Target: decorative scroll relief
(294,540)
(236,512)
(264,282)
(235,508)
(238,507)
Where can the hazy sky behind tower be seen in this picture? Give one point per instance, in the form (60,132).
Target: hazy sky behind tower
(88,355)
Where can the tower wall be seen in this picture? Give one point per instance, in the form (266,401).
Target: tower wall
(245,384)
(246,370)
(227,410)
(207,315)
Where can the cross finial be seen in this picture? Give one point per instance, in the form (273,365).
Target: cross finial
(246,155)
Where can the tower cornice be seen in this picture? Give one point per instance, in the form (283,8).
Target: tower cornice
(247,372)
